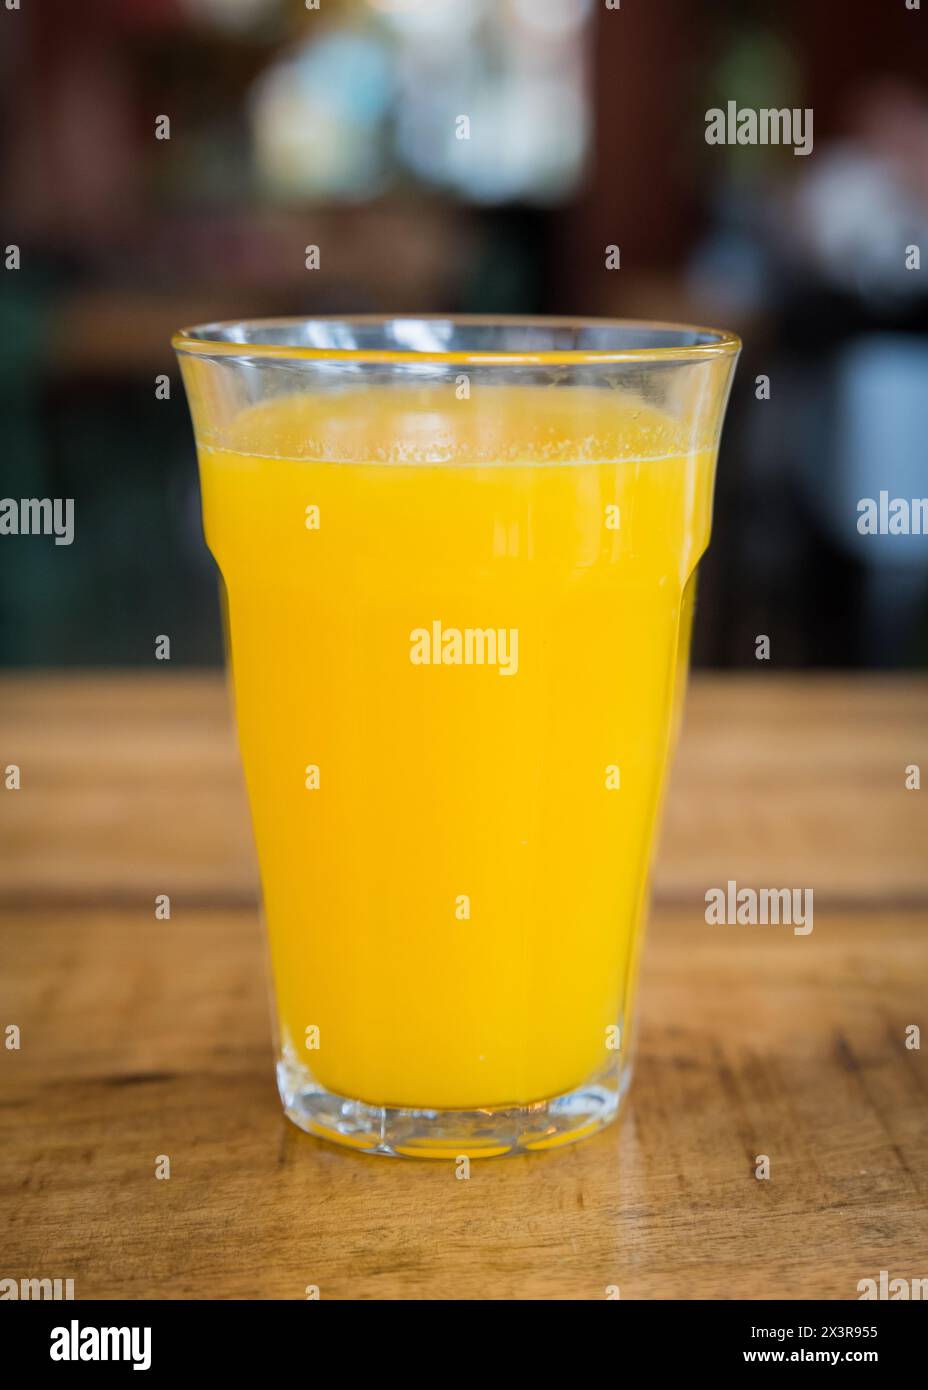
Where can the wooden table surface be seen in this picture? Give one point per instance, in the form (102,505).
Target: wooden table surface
(142,1038)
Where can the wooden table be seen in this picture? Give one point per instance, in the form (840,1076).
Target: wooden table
(143,1038)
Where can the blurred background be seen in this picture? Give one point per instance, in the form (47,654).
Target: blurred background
(292,125)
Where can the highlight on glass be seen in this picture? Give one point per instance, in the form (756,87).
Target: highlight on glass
(459,561)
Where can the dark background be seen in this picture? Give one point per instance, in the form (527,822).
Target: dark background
(335,127)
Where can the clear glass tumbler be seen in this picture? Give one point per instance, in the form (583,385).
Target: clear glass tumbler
(459,561)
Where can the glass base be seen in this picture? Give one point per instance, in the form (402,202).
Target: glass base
(451,1134)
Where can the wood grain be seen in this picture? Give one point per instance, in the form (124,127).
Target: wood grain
(142,1038)
(133,782)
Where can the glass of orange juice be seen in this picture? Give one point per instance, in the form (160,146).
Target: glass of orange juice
(459,562)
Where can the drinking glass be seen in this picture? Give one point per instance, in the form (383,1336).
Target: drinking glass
(459,560)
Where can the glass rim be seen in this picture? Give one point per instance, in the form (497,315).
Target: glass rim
(201,341)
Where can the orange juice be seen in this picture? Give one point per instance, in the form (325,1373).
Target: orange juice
(458,634)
